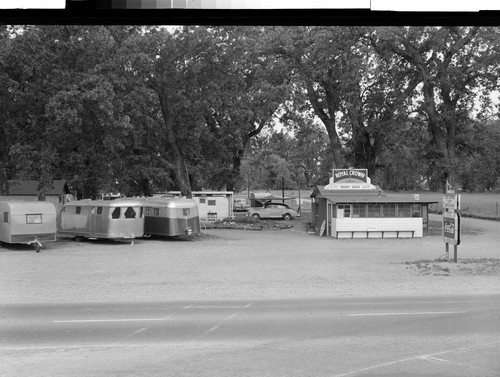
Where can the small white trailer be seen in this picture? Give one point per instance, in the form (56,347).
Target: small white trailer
(27,222)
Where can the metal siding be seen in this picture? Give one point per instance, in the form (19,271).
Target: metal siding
(87,225)
(166,226)
(25,238)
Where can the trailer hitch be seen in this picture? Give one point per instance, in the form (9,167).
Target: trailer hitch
(36,244)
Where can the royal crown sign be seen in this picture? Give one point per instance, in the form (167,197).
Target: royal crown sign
(350,175)
(350,179)
(451,219)
(451,228)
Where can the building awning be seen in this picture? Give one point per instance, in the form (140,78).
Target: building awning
(363,196)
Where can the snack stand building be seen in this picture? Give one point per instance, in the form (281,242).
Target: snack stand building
(351,207)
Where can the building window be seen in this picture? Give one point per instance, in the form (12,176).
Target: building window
(185,212)
(116,213)
(343,210)
(130,213)
(78,210)
(202,200)
(34,219)
(389,210)
(151,211)
(359,210)
(211,202)
(6,217)
(373,210)
(99,210)
(416,210)
(404,210)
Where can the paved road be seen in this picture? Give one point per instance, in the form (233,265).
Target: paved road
(397,336)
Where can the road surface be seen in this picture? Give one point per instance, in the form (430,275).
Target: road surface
(377,336)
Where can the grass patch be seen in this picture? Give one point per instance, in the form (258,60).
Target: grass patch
(441,266)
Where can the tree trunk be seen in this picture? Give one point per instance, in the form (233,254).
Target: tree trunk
(327,119)
(179,164)
(442,132)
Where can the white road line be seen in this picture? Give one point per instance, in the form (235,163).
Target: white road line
(213,328)
(399,313)
(432,358)
(216,307)
(112,320)
(228,318)
(428,356)
(139,331)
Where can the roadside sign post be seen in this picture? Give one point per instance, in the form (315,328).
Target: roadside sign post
(451,222)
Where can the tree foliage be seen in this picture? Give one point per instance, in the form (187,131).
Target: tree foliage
(146,109)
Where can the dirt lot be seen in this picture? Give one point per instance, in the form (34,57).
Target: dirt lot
(249,264)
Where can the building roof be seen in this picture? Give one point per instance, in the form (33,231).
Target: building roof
(199,193)
(363,196)
(268,196)
(28,206)
(30,188)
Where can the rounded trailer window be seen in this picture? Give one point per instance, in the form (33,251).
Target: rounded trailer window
(116,213)
(130,213)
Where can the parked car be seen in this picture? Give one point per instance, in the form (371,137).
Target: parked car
(273,211)
(241,205)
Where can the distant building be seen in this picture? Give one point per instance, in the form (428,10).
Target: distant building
(212,205)
(28,190)
(351,207)
(258,199)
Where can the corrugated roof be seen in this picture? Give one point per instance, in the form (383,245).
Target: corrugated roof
(30,187)
(363,196)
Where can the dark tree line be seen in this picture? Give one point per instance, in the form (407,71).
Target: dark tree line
(144,109)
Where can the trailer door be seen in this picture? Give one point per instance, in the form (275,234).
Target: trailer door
(92,220)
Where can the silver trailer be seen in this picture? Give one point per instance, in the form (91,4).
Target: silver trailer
(171,216)
(27,222)
(118,219)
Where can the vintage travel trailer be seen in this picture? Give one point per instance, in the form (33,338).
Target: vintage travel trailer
(111,219)
(27,222)
(171,217)
(212,205)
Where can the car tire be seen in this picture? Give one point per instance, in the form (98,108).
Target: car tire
(287,216)
(256,216)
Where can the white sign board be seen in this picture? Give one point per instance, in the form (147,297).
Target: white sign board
(451,202)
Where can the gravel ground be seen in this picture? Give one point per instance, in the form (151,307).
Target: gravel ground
(225,264)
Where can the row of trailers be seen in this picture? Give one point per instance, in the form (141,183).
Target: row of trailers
(34,222)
